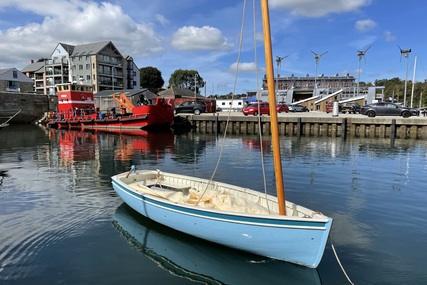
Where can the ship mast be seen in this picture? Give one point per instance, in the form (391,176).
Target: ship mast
(273,113)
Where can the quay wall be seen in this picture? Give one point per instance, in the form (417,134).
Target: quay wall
(315,125)
(32,106)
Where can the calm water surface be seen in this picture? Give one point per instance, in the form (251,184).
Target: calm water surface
(62,223)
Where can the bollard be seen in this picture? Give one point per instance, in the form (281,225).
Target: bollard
(335,109)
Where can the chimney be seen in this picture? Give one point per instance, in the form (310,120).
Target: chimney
(31,61)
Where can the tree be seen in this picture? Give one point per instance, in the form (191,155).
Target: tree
(151,77)
(186,79)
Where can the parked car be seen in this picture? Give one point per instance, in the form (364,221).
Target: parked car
(282,107)
(388,109)
(193,106)
(253,109)
(297,108)
(350,107)
(330,107)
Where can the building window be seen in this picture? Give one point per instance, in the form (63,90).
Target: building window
(15,74)
(88,77)
(87,66)
(80,66)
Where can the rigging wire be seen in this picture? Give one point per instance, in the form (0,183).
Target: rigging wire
(232,98)
(259,113)
(229,111)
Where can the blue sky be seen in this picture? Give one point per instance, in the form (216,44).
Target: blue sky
(204,35)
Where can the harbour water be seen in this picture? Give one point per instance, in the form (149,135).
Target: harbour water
(62,223)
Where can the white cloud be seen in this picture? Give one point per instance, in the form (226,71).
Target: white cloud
(162,20)
(364,26)
(246,67)
(83,22)
(389,37)
(191,38)
(315,8)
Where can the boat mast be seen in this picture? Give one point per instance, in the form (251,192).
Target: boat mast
(273,112)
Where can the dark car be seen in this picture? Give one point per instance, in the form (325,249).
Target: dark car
(388,109)
(297,108)
(252,109)
(282,107)
(194,106)
(350,107)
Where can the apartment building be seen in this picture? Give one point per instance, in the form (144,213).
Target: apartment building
(100,64)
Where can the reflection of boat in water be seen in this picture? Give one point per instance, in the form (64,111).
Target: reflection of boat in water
(76,110)
(201,261)
(257,144)
(81,145)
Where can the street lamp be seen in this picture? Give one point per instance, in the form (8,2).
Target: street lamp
(405,53)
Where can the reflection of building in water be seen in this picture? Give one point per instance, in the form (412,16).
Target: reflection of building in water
(142,144)
(77,146)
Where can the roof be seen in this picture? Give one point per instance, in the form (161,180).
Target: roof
(5,70)
(33,67)
(91,49)
(68,48)
(8,74)
(179,93)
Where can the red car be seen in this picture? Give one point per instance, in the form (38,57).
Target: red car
(253,109)
(282,108)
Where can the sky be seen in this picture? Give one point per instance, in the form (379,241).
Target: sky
(217,37)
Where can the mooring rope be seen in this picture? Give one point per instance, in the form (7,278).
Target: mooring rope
(339,263)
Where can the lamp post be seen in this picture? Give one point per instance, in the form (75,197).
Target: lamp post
(405,53)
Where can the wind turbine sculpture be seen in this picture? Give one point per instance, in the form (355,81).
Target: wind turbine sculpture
(405,53)
(360,54)
(279,64)
(317,57)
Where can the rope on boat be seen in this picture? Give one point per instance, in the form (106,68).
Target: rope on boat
(339,263)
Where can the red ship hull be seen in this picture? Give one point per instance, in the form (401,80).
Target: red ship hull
(76,110)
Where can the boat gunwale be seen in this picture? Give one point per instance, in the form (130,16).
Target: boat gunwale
(318,218)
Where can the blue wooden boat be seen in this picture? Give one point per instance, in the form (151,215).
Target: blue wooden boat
(230,215)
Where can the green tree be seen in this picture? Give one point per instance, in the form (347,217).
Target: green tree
(186,79)
(151,77)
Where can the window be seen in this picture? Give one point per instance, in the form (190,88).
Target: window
(15,74)
(80,66)
(87,66)
(88,77)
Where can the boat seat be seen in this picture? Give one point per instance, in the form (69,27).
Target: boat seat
(171,186)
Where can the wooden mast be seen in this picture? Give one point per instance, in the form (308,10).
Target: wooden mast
(273,112)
